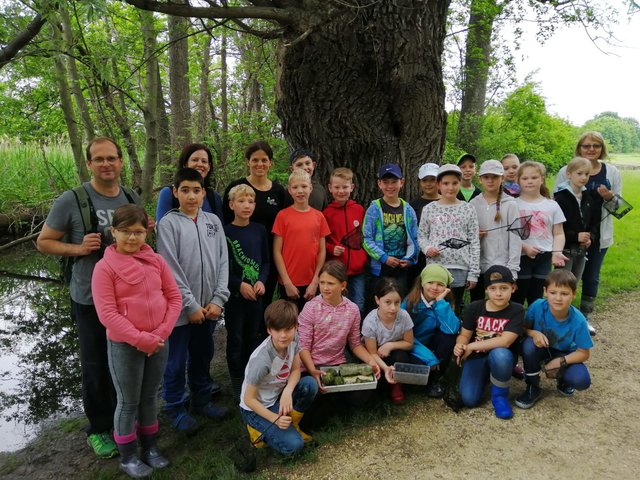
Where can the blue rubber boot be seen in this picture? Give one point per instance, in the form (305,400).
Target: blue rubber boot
(500,400)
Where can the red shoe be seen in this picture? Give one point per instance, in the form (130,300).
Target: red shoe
(397,396)
(518,372)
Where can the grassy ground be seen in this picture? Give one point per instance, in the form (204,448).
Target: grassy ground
(625,158)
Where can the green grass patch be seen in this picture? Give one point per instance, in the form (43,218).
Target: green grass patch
(625,158)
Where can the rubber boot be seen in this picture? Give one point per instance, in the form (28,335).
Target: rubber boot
(181,420)
(130,463)
(150,453)
(254,435)
(500,400)
(295,420)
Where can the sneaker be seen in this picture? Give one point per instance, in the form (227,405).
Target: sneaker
(592,330)
(566,390)
(211,410)
(529,397)
(397,396)
(103,445)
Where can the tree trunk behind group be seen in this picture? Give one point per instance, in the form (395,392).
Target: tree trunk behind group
(179,92)
(151,106)
(224,102)
(66,105)
(203,112)
(476,72)
(367,90)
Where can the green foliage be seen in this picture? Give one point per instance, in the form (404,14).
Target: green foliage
(521,125)
(622,134)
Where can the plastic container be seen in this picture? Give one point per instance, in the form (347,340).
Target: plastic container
(410,373)
(349,387)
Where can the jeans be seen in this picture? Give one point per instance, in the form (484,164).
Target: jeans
(497,363)
(98,394)
(591,273)
(286,441)
(576,375)
(355,289)
(242,319)
(136,378)
(190,349)
(441,344)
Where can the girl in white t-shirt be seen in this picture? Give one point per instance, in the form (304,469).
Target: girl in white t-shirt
(546,241)
(388,333)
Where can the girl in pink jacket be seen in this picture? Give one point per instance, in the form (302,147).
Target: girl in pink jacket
(138,301)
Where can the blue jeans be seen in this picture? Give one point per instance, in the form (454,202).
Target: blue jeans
(190,349)
(136,378)
(98,395)
(591,273)
(576,375)
(242,319)
(497,363)
(355,289)
(286,441)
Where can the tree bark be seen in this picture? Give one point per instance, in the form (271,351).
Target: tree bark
(151,105)
(179,82)
(167,157)
(21,40)
(476,72)
(67,108)
(203,118)
(224,101)
(367,90)
(83,110)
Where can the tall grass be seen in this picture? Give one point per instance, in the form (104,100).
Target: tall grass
(31,174)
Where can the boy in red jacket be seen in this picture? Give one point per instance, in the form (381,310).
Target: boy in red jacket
(344,243)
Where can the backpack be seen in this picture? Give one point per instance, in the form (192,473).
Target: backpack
(89,222)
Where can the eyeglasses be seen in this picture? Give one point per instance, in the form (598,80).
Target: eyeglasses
(589,146)
(109,160)
(135,233)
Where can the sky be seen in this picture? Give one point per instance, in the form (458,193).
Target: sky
(578,80)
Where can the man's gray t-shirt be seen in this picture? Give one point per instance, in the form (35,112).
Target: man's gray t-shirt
(65,216)
(268,371)
(372,327)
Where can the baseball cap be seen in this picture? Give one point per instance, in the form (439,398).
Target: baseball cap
(428,170)
(498,274)
(449,168)
(491,167)
(390,169)
(466,156)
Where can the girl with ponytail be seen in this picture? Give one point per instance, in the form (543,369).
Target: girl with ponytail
(495,210)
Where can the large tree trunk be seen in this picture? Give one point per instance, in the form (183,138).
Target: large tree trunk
(203,117)
(224,102)
(179,82)
(167,158)
(477,62)
(367,89)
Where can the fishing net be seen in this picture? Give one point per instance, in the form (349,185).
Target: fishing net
(454,243)
(618,207)
(243,451)
(353,239)
(521,226)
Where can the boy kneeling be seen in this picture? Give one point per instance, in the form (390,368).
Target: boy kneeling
(272,391)
(557,333)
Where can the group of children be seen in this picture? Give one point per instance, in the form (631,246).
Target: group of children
(402,255)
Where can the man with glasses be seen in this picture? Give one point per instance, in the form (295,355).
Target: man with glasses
(65,234)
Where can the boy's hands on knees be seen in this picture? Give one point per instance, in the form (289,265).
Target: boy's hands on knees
(286,402)
(259,288)
(247,292)
(283,422)
(291,291)
(213,311)
(338,250)
(198,316)
(539,339)
(461,352)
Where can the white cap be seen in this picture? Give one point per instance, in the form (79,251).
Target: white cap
(428,170)
(491,167)
(449,168)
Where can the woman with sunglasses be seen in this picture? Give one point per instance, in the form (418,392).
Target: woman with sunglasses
(604,185)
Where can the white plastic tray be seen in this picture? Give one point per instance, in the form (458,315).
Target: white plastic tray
(411,374)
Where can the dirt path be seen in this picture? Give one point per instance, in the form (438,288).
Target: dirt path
(595,435)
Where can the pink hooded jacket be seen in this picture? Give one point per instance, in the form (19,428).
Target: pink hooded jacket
(136,297)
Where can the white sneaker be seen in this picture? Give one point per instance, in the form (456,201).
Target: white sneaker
(592,330)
